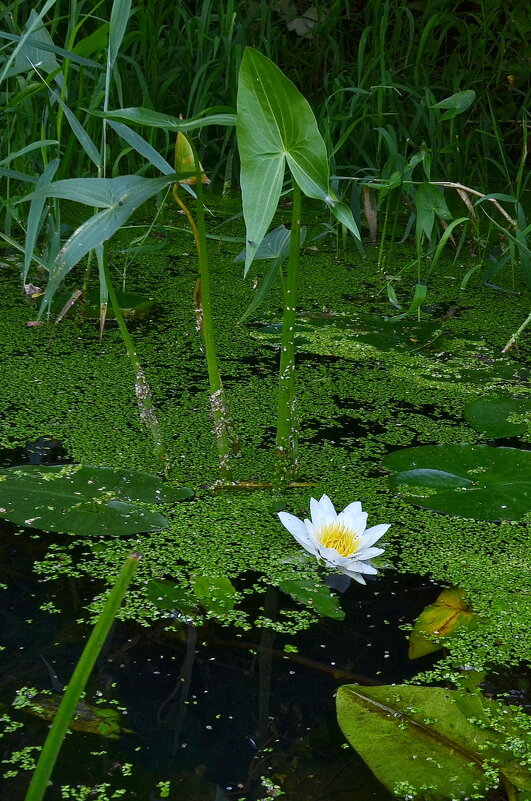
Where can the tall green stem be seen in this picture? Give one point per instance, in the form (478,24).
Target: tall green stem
(142,389)
(203,306)
(77,683)
(286,425)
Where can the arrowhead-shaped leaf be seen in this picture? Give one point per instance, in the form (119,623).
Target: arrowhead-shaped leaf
(275,124)
(431,740)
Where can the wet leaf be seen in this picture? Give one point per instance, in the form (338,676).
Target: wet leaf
(320,597)
(82,499)
(491,416)
(475,481)
(169,596)
(215,594)
(448,614)
(106,722)
(427,738)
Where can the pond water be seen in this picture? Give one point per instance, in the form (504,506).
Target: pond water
(244,708)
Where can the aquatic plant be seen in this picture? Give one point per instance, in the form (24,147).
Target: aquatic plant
(275,126)
(444,743)
(341,541)
(78,681)
(188,167)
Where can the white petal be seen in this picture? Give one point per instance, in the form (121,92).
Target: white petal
(298,530)
(366,567)
(357,522)
(373,534)
(322,509)
(368,553)
(352,509)
(356,576)
(330,556)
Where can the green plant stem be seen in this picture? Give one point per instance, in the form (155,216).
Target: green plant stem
(77,683)
(218,404)
(286,441)
(142,388)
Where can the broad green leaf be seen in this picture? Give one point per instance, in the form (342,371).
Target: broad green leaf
(24,40)
(82,499)
(438,621)
(276,125)
(420,737)
(419,296)
(274,246)
(34,55)
(119,197)
(430,203)
(31,41)
(491,416)
(169,596)
(474,481)
(154,119)
(215,594)
(456,104)
(103,721)
(94,42)
(318,597)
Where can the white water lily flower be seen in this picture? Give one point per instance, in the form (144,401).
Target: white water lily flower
(342,540)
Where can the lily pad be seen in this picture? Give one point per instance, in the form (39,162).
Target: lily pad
(342,335)
(85,500)
(433,741)
(475,481)
(491,416)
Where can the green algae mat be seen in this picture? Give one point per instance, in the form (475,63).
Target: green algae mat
(368,389)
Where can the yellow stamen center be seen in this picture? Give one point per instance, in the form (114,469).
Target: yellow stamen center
(340,537)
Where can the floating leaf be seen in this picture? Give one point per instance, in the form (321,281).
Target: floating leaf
(169,596)
(425,738)
(320,597)
(491,416)
(448,614)
(215,594)
(82,499)
(474,481)
(106,722)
